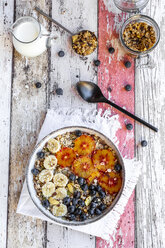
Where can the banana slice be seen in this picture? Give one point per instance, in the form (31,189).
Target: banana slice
(53,201)
(60,180)
(45,176)
(61,193)
(48,189)
(53,145)
(50,162)
(59,210)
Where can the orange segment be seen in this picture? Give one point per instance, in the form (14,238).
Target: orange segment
(104,159)
(93,176)
(84,145)
(110,182)
(83,167)
(65,157)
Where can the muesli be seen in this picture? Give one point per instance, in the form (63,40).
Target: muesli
(77,176)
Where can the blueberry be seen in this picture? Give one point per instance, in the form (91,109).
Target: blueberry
(98,188)
(35,172)
(102,194)
(61,53)
(111,50)
(93,205)
(40,155)
(97,62)
(45,203)
(92,192)
(66,200)
(83,217)
(118,167)
(128,87)
(143,143)
(72,177)
(91,211)
(74,201)
(81,203)
(78,133)
(71,209)
(129,126)
(91,187)
(102,206)
(81,181)
(78,211)
(59,91)
(77,194)
(72,217)
(38,85)
(97,211)
(96,199)
(109,89)
(84,187)
(127,64)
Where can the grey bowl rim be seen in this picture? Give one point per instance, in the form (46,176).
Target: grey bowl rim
(88,221)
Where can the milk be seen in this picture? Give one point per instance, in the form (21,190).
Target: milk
(30,32)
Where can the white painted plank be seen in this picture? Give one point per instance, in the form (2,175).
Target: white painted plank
(5,103)
(150,104)
(59,237)
(65,72)
(28,112)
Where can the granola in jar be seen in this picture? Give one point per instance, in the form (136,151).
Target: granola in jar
(139,36)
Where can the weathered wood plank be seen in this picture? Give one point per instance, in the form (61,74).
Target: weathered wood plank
(113,74)
(66,238)
(6,11)
(150,99)
(28,111)
(65,72)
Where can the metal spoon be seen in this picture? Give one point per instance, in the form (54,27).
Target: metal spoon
(91,93)
(67,30)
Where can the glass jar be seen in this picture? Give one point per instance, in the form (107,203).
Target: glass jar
(132,6)
(148,20)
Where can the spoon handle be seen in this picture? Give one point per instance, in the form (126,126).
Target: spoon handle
(131,115)
(52,20)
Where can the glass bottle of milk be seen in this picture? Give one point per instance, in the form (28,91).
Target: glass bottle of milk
(30,38)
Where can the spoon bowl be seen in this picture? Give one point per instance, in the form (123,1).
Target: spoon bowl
(89,91)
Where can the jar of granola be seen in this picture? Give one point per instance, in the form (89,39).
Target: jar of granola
(139,34)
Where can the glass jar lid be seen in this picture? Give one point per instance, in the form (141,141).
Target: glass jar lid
(132,6)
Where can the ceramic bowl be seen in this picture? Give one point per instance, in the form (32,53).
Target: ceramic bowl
(29,175)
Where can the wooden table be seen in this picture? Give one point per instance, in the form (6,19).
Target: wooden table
(23,109)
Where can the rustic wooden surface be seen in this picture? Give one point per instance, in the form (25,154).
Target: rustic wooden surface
(23,109)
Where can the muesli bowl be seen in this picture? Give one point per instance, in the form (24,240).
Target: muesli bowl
(101,142)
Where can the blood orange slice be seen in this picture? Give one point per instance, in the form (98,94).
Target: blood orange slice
(84,145)
(83,167)
(95,174)
(65,157)
(110,182)
(104,159)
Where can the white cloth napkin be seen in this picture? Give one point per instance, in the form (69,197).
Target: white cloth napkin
(55,119)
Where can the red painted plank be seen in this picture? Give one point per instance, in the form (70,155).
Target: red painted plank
(112,73)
